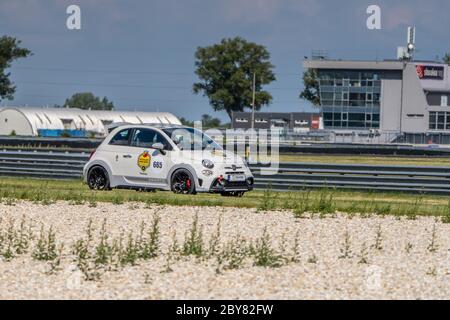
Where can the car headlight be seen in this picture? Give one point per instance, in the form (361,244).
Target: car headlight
(208,164)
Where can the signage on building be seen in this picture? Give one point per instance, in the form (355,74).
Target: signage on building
(430,72)
(315,125)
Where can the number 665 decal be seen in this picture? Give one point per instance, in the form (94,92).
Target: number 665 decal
(157,164)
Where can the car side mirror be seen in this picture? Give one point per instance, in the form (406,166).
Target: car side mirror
(159,146)
(176,140)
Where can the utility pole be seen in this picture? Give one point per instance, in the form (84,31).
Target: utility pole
(253,100)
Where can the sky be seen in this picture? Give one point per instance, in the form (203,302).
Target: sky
(140,53)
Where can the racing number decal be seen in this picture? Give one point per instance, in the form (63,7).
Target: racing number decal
(144,160)
(157,164)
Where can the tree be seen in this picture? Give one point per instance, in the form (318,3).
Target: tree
(311,91)
(447,58)
(207,122)
(10,50)
(226,73)
(88,101)
(186,122)
(210,122)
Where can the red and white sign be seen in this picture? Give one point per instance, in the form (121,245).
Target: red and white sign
(430,72)
(315,123)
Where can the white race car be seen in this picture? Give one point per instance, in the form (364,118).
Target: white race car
(166,157)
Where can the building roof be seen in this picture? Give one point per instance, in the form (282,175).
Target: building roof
(89,120)
(353,64)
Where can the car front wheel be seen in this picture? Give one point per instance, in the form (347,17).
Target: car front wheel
(182,182)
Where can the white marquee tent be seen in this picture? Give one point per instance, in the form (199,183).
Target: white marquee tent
(28,121)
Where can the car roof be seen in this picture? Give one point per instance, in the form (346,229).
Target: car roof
(116,125)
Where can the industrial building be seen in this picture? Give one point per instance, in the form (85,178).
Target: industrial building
(294,122)
(70,121)
(403,97)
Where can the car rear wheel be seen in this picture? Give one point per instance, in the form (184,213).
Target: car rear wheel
(98,179)
(182,182)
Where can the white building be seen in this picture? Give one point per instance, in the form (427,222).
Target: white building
(31,121)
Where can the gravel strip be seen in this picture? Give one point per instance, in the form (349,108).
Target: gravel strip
(406,264)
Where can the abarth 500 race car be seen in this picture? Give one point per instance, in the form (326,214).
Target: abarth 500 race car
(166,157)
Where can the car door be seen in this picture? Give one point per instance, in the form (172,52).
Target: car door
(118,152)
(149,166)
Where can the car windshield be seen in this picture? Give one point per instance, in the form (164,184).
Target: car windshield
(191,139)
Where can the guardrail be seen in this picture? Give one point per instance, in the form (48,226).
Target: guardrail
(288,176)
(40,164)
(294,176)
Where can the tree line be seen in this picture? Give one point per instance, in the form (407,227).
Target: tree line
(232,75)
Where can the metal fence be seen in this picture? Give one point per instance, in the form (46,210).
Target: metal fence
(42,164)
(288,176)
(297,176)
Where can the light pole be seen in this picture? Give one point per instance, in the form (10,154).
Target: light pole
(253,100)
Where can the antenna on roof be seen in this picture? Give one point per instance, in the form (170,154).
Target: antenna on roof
(407,53)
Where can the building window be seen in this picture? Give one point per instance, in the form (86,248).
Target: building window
(376,97)
(347,96)
(355,83)
(345,116)
(327,95)
(444,101)
(432,121)
(121,138)
(242,120)
(439,120)
(261,121)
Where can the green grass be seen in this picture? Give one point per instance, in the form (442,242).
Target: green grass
(323,202)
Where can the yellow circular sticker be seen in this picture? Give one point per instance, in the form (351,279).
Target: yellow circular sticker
(144,160)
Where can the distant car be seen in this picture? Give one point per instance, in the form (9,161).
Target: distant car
(166,157)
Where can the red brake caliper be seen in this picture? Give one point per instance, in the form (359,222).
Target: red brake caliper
(188,183)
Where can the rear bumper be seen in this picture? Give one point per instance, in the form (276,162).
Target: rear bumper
(227,186)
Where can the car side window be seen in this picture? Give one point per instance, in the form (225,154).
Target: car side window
(122,138)
(145,138)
